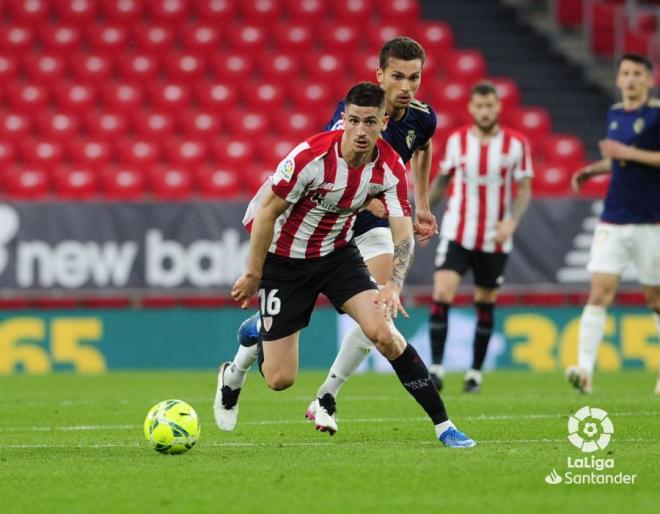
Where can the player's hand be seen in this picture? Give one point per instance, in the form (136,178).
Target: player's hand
(377,208)
(244,289)
(580,177)
(614,150)
(388,299)
(504,230)
(425,225)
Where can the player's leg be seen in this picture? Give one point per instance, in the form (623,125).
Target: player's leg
(451,263)
(652,295)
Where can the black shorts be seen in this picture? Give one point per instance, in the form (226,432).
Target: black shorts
(289,288)
(487,267)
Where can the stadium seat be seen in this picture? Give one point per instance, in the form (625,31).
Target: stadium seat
(436,37)
(235,152)
(296,38)
(154,38)
(326,66)
(254,176)
(446,123)
(217,95)
(233,66)
(201,38)
(121,97)
(351,11)
(467,66)
(452,96)
(170,182)
(105,124)
(262,12)
(138,152)
(637,41)
(168,11)
(562,148)
(61,37)
(215,11)
(217,181)
(43,153)
(596,187)
(568,13)
(602,28)
(29,11)
(379,33)
(127,12)
(247,38)
(365,65)
(139,66)
(248,122)
(122,183)
(108,38)
(60,125)
(76,11)
(342,37)
(551,179)
(272,149)
(91,67)
(268,96)
(280,66)
(29,98)
(186,151)
(534,122)
(312,96)
(14,126)
(16,38)
(26,182)
(298,125)
(77,182)
(154,125)
(508,92)
(9,66)
(94,152)
(75,96)
(203,124)
(169,95)
(306,12)
(184,66)
(399,11)
(7,152)
(46,68)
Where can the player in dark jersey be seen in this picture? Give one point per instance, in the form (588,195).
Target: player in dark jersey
(629,228)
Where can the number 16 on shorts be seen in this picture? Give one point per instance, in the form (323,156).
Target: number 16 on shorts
(270,305)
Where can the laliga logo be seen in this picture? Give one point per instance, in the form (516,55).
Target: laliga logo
(590,429)
(8,229)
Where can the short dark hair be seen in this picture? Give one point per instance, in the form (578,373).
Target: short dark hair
(483,88)
(366,94)
(403,48)
(636,58)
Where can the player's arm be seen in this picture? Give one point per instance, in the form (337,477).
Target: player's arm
(420,164)
(404,249)
(596,168)
(612,149)
(507,227)
(261,236)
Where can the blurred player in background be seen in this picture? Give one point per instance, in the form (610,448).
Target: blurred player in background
(301,245)
(484,160)
(629,228)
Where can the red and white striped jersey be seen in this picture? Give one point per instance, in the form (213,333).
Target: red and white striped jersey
(482,185)
(325,195)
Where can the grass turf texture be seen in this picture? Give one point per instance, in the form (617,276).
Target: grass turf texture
(74,444)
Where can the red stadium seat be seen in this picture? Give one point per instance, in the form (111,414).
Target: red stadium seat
(233,66)
(75,182)
(278,66)
(452,96)
(61,37)
(637,41)
(76,11)
(122,183)
(351,11)
(215,11)
(247,37)
(59,125)
(127,12)
(202,38)
(217,181)
(468,66)
(184,66)
(91,152)
(14,126)
(27,97)
(263,12)
(248,122)
(436,37)
(295,38)
(44,67)
(26,182)
(365,65)
(379,33)
(29,11)
(105,124)
(596,187)
(271,150)
(268,96)
(602,28)
(508,92)
(312,96)
(7,152)
(122,96)
(8,66)
(340,38)
(310,12)
(109,38)
(551,179)
(186,151)
(235,153)
(91,67)
(138,152)
(154,38)
(446,123)
(170,182)
(568,13)
(399,11)
(297,125)
(41,152)
(139,66)
(563,148)
(204,124)
(169,11)
(533,122)
(217,95)
(153,124)
(16,38)
(76,96)
(326,66)
(254,176)
(169,95)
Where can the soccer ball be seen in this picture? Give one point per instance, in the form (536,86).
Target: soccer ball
(171,427)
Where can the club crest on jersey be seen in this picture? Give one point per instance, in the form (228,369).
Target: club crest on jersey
(614,125)
(638,126)
(410,138)
(286,169)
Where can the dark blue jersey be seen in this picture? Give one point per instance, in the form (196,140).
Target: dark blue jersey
(634,192)
(405,135)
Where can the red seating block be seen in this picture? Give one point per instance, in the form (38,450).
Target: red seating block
(91,67)
(122,96)
(468,66)
(153,124)
(235,153)
(169,11)
(313,96)
(29,11)
(278,66)
(637,41)
(342,37)
(41,152)
(296,38)
(75,182)
(217,95)
(138,152)
(16,38)
(602,29)
(263,95)
(551,179)
(122,183)
(91,152)
(233,66)
(61,37)
(186,151)
(250,123)
(310,12)
(105,124)
(246,37)
(44,67)
(563,148)
(154,38)
(297,125)
(59,125)
(27,97)
(76,11)
(326,66)
(436,37)
(7,152)
(26,182)
(127,12)
(14,126)
(262,12)
(365,65)
(534,122)
(139,66)
(8,66)
(215,11)
(217,181)
(508,92)
(184,66)
(171,96)
(348,11)
(202,38)
(452,96)
(76,96)
(568,13)
(170,182)
(399,11)
(110,38)
(201,124)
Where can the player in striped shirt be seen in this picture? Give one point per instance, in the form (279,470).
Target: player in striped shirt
(301,245)
(483,160)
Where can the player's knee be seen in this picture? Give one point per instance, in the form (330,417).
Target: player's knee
(601,296)
(279,380)
(385,341)
(443,296)
(653,301)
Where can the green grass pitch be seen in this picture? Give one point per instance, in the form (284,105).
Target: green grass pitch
(74,444)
